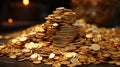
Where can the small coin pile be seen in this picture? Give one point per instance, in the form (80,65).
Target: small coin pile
(64,40)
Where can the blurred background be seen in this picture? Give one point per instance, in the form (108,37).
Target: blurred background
(21,14)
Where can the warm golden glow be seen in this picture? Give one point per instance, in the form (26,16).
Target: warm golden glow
(26,2)
(10,20)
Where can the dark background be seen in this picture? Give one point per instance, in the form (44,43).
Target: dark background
(34,13)
(26,16)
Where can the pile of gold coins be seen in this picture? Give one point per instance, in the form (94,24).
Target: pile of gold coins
(64,40)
